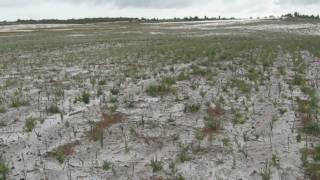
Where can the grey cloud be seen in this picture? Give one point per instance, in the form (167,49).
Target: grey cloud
(142,3)
(155,3)
(117,3)
(11,3)
(38,9)
(145,3)
(161,4)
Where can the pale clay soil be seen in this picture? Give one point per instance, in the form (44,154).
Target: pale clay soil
(27,152)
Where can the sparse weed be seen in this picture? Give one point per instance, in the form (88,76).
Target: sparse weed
(114,91)
(266,171)
(102,82)
(275,161)
(239,118)
(84,97)
(183,156)
(3,109)
(213,123)
(183,77)
(53,109)
(63,151)
(226,141)
(156,165)
(193,108)
(106,165)
(200,71)
(180,177)
(30,124)
(241,85)
(4,169)
(60,156)
(168,80)
(18,102)
(157,90)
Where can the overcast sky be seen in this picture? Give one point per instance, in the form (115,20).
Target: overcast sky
(65,9)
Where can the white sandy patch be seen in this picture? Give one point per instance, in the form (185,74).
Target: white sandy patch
(77,35)
(307,28)
(32,27)
(155,33)
(203,25)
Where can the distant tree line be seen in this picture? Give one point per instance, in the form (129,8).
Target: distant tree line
(75,21)
(297,15)
(69,21)
(107,19)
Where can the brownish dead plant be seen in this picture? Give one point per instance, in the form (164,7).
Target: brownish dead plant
(108,120)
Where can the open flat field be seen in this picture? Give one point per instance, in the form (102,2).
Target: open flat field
(220,100)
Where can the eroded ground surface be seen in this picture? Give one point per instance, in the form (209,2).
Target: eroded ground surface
(202,100)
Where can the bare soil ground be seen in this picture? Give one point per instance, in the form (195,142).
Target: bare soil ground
(189,100)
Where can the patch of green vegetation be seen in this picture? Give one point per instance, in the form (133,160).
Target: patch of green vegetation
(303,106)
(172,167)
(226,141)
(316,155)
(274,119)
(180,177)
(99,91)
(2,124)
(193,108)
(63,151)
(114,108)
(298,138)
(53,109)
(265,172)
(299,80)
(312,128)
(183,156)
(239,118)
(59,155)
(275,161)
(84,97)
(4,169)
(310,109)
(106,165)
(102,82)
(156,165)
(59,93)
(158,90)
(255,75)
(30,124)
(168,80)
(114,99)
(183,76)
(311,167)
(202,71)
(199,135)
(115,91)
(241,85)
(313,171)
(18,102)
(203,93)
(10,82)
(3,109)
(282,70)
(213,123)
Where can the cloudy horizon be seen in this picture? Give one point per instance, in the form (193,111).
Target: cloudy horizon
(65,9)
